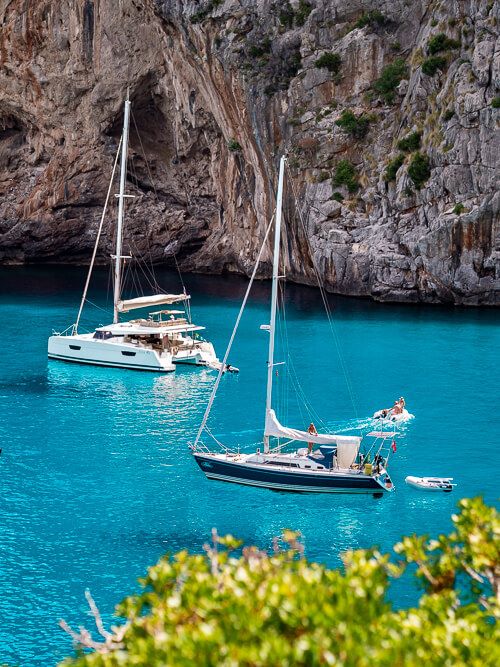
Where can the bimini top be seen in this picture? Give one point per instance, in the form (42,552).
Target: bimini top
(147,301)
(149,328)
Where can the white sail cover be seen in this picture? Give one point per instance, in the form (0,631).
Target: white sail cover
(274,428)
(147,301)
(347,445)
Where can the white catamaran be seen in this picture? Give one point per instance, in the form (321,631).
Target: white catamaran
(341,464)
(153,344)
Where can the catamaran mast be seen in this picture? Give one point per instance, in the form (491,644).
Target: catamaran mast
(121,197)
(274,295)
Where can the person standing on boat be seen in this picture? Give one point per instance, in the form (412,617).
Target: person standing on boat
(312,431)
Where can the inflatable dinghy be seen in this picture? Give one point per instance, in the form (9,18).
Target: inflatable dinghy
(401,417)
(431,483)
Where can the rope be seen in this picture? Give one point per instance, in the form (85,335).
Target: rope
(157,200)
(226,355)
(94,253)
(326,306)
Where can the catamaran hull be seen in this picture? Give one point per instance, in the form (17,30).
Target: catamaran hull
(86,350)
(282,480)
(203,354)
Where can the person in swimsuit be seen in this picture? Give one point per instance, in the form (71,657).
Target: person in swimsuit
(312,430)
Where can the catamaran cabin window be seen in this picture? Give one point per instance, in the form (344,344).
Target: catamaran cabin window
(128,354)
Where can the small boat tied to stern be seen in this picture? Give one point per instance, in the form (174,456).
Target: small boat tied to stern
(341,463)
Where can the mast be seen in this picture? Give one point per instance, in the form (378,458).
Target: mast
(274,295)
(121,198)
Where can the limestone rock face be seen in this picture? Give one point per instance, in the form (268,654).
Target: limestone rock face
(219,90)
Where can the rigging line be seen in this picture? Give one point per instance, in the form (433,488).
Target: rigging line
(293,375)
(157,286)
(98,307)
(327,308)
(157,201)
(99,230)
(152,282)
(142,258)
(226,354)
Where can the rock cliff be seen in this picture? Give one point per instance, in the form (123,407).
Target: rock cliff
(388,110)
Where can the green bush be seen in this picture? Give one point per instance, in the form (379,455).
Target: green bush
(330,61)
(245,608)
(287,16)
(410,142)
(495,102)
(431,65)
(458,208)
(233,145)
(373,19)
(448,115)
(390,79)
(440,43)
(259,50)
(345,174)
(393,166)
(338,196)
(202,14)
(356,126)
(419,169)
(302,12)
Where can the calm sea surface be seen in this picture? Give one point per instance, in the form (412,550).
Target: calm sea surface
(97,480)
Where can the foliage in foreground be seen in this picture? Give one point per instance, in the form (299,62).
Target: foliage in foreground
(278,609)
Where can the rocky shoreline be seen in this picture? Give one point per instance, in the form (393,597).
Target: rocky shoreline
(388,112)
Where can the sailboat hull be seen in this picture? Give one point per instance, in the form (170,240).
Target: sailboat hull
(84,349)
(331,481)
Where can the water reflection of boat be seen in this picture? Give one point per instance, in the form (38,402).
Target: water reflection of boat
(340,465)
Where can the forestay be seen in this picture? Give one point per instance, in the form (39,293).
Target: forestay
(147,301)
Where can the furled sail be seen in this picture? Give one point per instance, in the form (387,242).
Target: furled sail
(147,301)
(274,428)
(347,445)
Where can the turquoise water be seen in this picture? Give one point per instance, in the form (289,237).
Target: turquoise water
(97,481)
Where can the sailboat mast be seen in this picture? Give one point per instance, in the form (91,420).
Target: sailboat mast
(121,199)
(274,295)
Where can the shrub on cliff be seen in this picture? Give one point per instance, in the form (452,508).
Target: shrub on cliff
(373,19)
(411,142)
(249,607)
(356,126)
(234,146)
(390,78)
(330,61)
(346,174)
(441,42)
(419,169)
(202,13)
(393,166)
(302,12)
(431,65)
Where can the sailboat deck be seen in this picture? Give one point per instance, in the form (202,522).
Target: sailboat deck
(148,328)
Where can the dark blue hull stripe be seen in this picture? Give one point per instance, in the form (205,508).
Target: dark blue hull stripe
(284,480)
(92,362)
